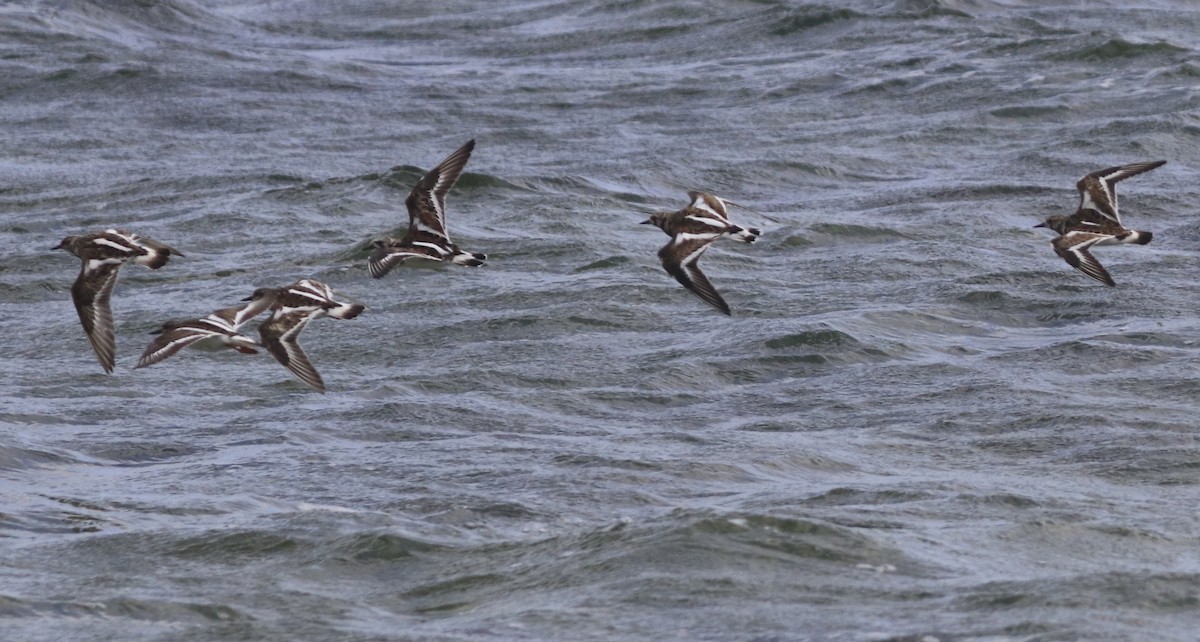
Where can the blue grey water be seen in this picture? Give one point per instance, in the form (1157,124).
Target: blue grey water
(919,424)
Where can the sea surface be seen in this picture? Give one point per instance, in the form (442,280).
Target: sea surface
(919,425)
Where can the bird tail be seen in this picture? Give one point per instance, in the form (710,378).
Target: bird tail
(156,256)
(472,259)
(347,310)
(744,234)
(1138,237)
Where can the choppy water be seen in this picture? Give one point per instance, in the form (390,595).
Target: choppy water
(920,424)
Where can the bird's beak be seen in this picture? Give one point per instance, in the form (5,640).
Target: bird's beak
(1040,225)
(249,298)
(646,222)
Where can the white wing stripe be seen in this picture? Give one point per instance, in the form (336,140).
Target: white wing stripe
(683,237)
(693,257)
(112,244)
(429,230)
(308,295)
(708,221)
(218,323)
(436,248)
(94,264)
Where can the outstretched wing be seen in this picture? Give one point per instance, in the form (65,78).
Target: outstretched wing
(170,342)
(681,258)
(279,335)
(705,205)
(1098,190)
(1074,247)
(92,294)
(140,249)
(384,258)
(235,317)
(427,201)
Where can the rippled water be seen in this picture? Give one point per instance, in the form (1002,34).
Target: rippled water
(920,424)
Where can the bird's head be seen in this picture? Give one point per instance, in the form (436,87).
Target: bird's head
(658,218)
(261,293)
(1056,222)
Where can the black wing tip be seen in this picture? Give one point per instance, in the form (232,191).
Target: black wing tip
(1130,169)
(318,385)
(317,382)
(379,270)
(105,363)
(145,360)
(108,362)
(377,264)
(1099,274)
(1147,166)
(464,151)
(698,285)
(717,302)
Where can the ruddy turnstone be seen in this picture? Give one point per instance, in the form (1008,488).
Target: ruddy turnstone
(103,255)
(220,327)
(692,229)
(427,237)
(292,308)
(1096,221)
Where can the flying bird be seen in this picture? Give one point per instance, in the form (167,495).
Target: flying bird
(220,327)
(427,237)
(103,254)
(1096,221)
(291,310)
(692,229)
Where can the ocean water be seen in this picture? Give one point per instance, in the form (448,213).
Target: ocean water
(918,425)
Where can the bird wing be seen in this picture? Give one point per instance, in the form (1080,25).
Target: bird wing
(427,201)
(92,294)
(1098,190)
(384,258)
(170,342)
(708,205)
(1074,248)
(235,317)
(279,335)
(681,258)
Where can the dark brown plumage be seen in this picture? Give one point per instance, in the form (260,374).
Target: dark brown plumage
(103,254)
(1096,221)
(692,229)
(427,237)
